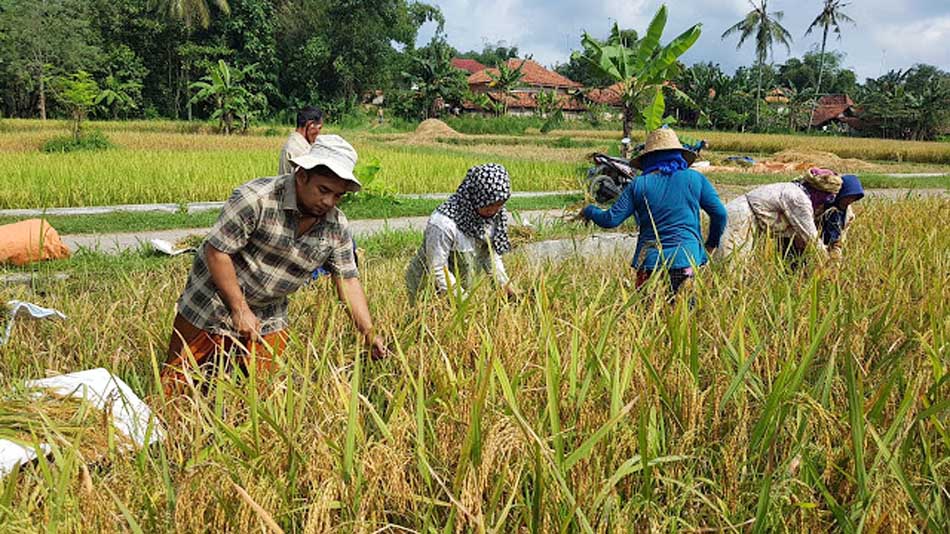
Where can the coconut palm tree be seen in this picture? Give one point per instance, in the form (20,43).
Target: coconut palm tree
(831,16)
(191,11)
(767,29)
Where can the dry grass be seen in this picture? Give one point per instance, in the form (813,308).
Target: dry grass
(808,401)
(845,147)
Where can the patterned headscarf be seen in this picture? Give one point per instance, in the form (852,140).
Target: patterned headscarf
(483,185)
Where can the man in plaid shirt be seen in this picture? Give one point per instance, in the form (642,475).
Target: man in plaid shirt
(271,235)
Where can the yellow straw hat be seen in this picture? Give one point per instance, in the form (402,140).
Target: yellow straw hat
(823,180)
(663,139)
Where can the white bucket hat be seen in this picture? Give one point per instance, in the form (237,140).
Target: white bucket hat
(334,152)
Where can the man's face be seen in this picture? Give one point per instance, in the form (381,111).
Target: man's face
(318,192)
(312,130)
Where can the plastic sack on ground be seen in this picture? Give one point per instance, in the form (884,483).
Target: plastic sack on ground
(105,391)
(27,309)
(30,240)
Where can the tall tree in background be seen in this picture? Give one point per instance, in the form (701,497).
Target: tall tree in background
(767,29)
(44,38)
(643,69)
(189,12)
(831,16)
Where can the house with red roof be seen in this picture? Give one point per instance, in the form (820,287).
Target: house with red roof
(833,109)
(522,100)
(470,66)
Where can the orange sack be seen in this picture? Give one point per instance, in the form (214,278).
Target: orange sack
(30,240)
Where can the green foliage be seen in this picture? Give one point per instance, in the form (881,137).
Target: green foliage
(912,104)
(434,84)
(93,141)
(77,92)
(766,29)
(230,100)
(642,67)
(492,53)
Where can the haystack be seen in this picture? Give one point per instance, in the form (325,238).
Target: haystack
(804,159)
(430,130)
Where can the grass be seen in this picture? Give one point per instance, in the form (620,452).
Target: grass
(782,401)
(169,162)
(371,207)
(846,147)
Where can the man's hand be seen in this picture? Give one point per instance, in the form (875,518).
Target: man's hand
(580,217)
(246,323)
(377,347)
(512,292)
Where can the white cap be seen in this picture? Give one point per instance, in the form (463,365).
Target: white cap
(334,152)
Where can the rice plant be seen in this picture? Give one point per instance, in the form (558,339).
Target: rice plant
(780,401)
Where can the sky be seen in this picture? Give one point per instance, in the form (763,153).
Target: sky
(888,34)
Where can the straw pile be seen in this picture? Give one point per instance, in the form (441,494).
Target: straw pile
(29,418)
(430,130)
(804,159)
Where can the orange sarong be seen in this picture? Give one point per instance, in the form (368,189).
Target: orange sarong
(207,349)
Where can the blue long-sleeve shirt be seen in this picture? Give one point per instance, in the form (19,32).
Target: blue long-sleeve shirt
(668,207)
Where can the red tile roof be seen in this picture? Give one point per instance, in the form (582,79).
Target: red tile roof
(610,96)
(528,101)
(832,107)
(533,74)
(468,65)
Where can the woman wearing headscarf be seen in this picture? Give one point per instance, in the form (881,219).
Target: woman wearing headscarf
(786,210)
(665,202)
(836,218)
(467,232)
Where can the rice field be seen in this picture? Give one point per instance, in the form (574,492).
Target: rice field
(807,401)
(845,147)
(169,162)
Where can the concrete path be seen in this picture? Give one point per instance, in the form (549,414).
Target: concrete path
(199,207)
(115,243)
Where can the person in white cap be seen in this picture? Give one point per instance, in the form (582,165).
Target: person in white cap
(271,235)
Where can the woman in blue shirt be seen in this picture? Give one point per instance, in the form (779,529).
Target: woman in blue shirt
(665,202)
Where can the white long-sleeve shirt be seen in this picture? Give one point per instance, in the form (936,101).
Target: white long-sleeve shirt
(785,210)
(446,250)
(296,145)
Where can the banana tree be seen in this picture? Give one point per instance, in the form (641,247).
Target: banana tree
(505,81)
(222,87)
(642,68)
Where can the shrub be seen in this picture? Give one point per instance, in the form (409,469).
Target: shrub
(92,141)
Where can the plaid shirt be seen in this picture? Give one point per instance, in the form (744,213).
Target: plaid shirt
(257,228)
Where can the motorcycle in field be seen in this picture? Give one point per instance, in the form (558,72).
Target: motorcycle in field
(609,175)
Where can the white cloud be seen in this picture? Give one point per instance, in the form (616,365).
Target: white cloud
(920,42)
(903,31)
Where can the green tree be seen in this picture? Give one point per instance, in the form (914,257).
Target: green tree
(189,12)
(117,97)
(492,53)
(643,69)
(78,92)
(767,29)
(332,51)
(433,80)
(582,71)
(42,39)
(912,104)
(504,81)
(229,99)
(546,102)
(831,16)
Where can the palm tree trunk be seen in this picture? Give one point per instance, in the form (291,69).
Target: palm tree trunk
(821,70)
(758,93)
(42,102)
